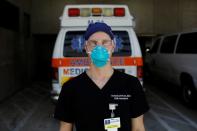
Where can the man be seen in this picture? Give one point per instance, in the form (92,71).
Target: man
(101,98)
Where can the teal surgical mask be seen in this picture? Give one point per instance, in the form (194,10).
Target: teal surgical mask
(99,56)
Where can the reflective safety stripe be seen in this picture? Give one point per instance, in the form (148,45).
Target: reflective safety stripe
(64,79)
(84,61)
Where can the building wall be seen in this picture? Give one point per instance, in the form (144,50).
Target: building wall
(152,16)
(166,16)
(188,14)
(15,45)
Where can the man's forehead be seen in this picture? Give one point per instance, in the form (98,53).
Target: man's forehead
(99,35)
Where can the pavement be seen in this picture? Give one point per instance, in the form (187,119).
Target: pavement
(31,109)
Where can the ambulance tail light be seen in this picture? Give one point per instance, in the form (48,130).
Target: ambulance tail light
(72,12)
(55,74)
(119,12)
(140,72)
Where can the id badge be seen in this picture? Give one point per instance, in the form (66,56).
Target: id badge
(112,124)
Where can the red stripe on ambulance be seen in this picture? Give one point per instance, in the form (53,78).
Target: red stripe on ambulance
(84,61)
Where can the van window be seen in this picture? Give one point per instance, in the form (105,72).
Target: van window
(155,46)
(74,44)
(187,43)
(168,44)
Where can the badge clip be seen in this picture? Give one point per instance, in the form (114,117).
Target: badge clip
(112,107)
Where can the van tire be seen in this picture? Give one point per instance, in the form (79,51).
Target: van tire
(187,91)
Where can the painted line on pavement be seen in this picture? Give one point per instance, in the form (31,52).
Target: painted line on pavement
(192,123)
(174,119)
(19,108)
(159,107)
(29,114)
(162,122)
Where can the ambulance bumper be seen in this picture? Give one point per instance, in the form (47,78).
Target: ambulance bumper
(56,88)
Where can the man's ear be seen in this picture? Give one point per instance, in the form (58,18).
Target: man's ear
(85,47)
(114,46)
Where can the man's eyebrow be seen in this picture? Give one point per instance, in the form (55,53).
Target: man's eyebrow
(102,40)
(107,40)
(93,40)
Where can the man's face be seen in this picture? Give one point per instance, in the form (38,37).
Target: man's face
(100,38)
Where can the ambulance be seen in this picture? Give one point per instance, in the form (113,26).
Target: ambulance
(69,57)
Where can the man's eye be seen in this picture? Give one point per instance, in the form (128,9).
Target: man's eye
(106,42)
(92,43)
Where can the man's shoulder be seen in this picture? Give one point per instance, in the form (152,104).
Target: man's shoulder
(75,80)
(125,76)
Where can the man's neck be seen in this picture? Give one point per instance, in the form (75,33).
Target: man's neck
(100,76)
(100,73)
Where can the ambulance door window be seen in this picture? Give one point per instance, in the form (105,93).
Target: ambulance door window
(122,42)
(74,44)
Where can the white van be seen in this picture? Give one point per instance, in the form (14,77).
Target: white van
(174,58)
(69,56)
